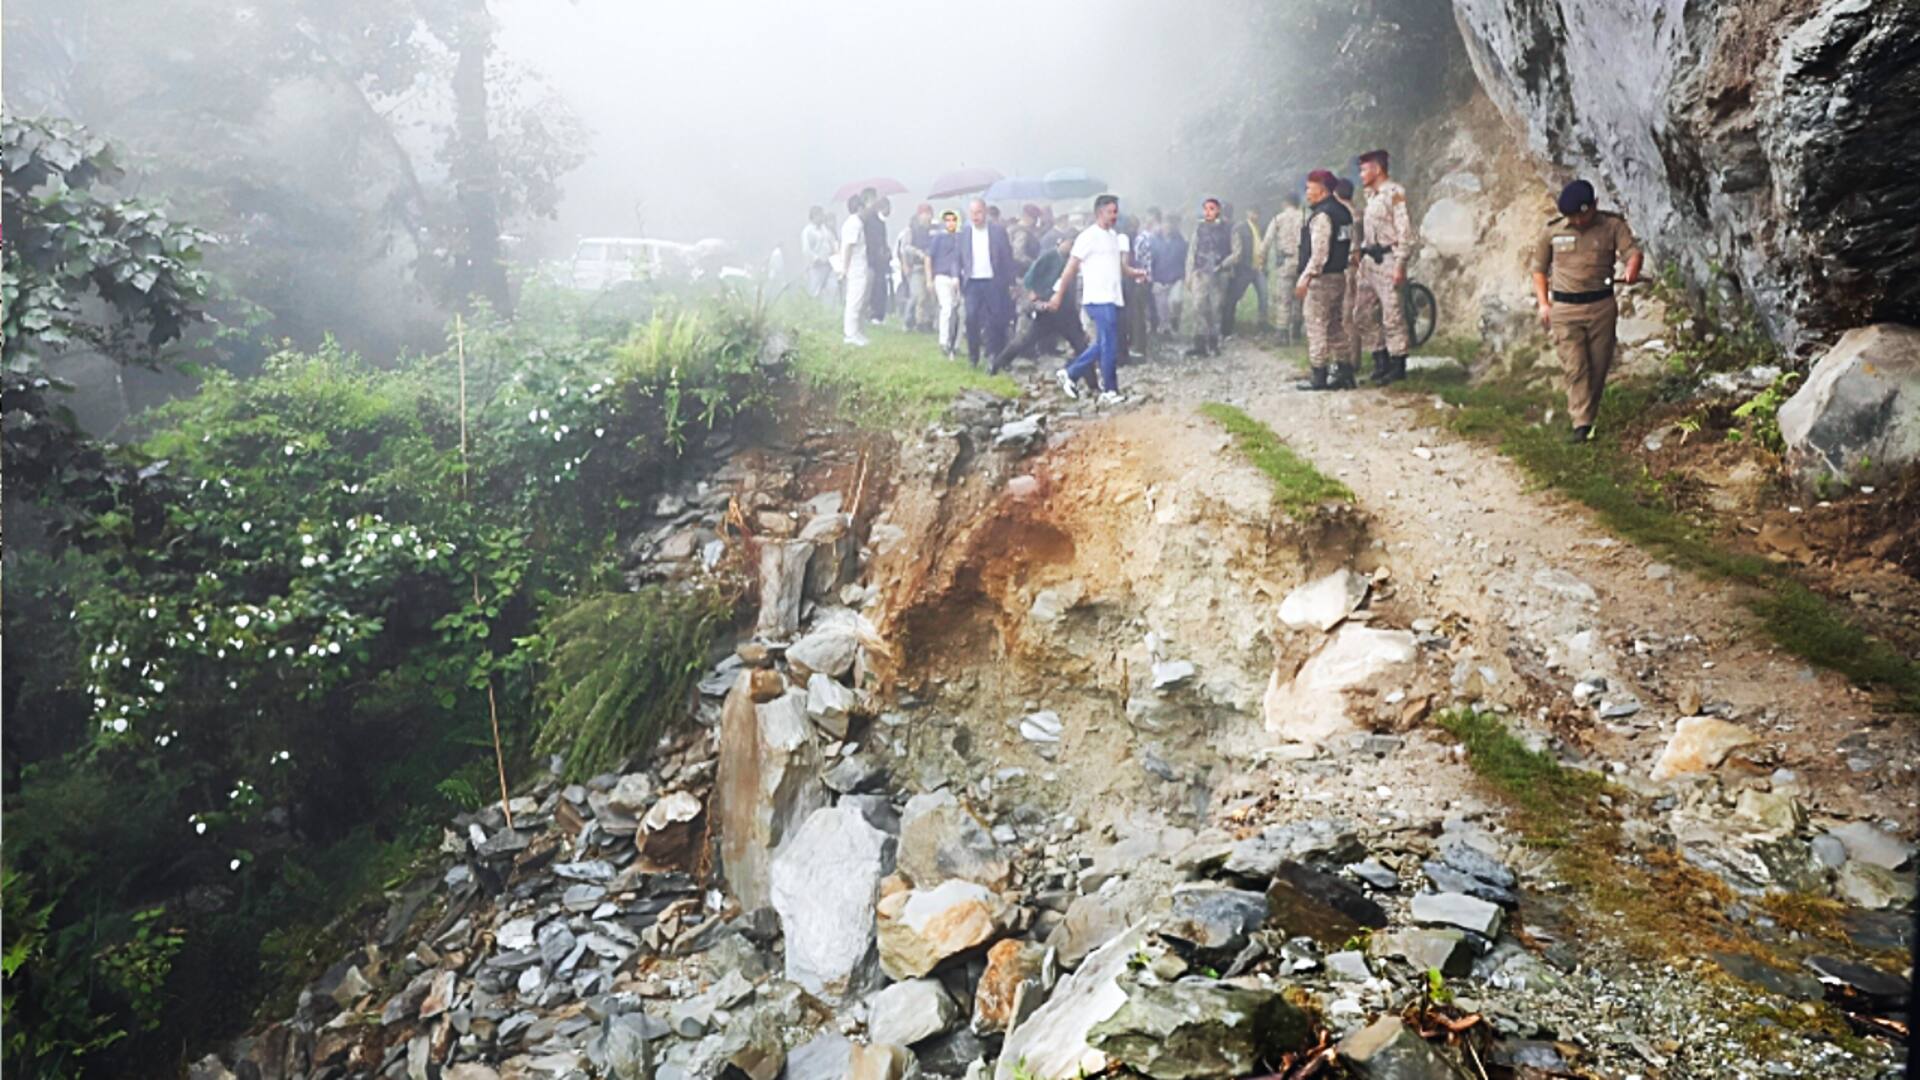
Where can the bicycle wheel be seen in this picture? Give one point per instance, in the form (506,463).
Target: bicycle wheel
(1423,313)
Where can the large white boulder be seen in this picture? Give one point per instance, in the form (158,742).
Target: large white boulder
(1311,707)
(825,882)
(1857,416)
(768,782)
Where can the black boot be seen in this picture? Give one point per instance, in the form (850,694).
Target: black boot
(1378,376)
(1342,378)
(1580,434)
(1316,380)
(1396,368)
(1213,345)
(1199,347)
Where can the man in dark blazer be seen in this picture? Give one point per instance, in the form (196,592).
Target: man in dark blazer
(986,281)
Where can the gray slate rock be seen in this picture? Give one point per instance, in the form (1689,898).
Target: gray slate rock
(1388,1050)
(1458,910)
(1200,1028)
(1214,919)
(908,1012)
(1327,840)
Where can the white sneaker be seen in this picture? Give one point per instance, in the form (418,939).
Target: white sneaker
(1113,398)
(859,342)
(1066,383)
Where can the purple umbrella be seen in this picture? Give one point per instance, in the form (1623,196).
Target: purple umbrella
(962,182)
(885,185)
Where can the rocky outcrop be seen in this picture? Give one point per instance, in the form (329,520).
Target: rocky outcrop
(1778,139)
(1857,417)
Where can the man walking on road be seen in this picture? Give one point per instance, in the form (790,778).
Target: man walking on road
(1043,325)
(916,282)
(943,257)
(986,281)
(1379,318)
(1249,272)
(1169,266)
(1324,243)
(1207,261)
(1573,283)
(1103,253)
(854,269)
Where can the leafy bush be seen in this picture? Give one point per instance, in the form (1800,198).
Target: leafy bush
(1761,412)
(306,564)
(1710,328)
(619,667)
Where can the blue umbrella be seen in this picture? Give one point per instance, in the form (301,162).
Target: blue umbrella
(1016,187)
(1072,183)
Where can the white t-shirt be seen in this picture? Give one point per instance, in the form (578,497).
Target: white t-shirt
(1099,252)
(853,242)
(982,251)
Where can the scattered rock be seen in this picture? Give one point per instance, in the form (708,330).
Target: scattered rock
(1052,1043)
(1170,673)
(671,828)
(1857,417)
(783,580)
(1013,970)
(1389,1050)
(919,928)
(1308,902)
(1871,844)
(1041,727)
(1883,990)
(824,884)
(1699,744)
(768,782)
(1311,707)
(834,554)
(1199,1028)
(1323,602)
(825,1057)
(1873,887)
(1213,920)
(940,839)
(878,1061)
(1459,910)
(1320,840)
(907,1012)
(829,648)
(829,703)
(1349,965)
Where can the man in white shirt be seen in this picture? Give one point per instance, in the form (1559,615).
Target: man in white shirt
(853,265)
(816,248)
(1106,257)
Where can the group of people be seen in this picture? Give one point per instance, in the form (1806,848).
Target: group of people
(1330,268)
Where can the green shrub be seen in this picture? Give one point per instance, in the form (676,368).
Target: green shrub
(619,669)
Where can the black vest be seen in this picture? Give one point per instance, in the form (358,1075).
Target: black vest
(1212,243)
(1342,235)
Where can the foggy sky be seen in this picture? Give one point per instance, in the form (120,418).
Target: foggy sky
(729,117)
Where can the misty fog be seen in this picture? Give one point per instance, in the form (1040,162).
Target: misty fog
(730,118)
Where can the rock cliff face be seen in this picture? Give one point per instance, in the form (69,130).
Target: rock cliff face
(1777,138)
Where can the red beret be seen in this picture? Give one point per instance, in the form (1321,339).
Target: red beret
(1323,177)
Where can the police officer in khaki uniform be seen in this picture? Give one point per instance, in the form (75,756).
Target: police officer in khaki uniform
(1573,282)
(1282,243)
(1388,228)
(1343,193)
(1324,243)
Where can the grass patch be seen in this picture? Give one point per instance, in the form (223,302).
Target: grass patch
(898,381)
(1297,485)
(1553,800)
(1639,506)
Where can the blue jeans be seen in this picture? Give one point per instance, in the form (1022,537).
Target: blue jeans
(1105,347)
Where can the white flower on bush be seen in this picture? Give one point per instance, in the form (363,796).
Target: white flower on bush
(119,725)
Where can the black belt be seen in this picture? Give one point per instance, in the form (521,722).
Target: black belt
(1593,297)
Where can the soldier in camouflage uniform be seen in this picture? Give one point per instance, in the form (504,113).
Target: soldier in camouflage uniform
(1343,194)
(1283,250)
(1207,260)
(1324,243)
(1387,232)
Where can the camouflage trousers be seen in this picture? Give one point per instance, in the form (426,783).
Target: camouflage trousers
(1326,319)
(1379,321)
(1283,306)
(1204,293)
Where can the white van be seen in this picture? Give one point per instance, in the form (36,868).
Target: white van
(600,261)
